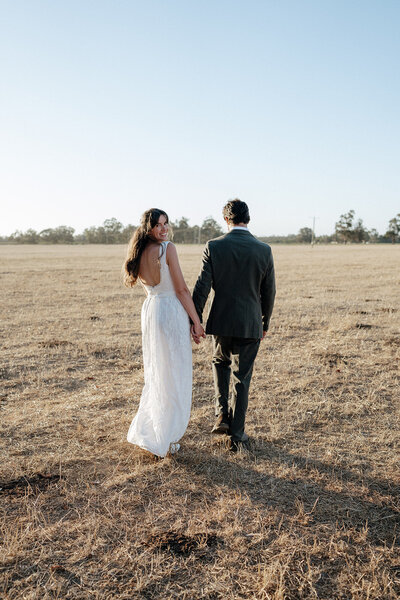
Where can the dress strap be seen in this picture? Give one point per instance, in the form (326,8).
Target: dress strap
(162,255)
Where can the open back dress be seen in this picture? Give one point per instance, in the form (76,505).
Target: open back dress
(165,403)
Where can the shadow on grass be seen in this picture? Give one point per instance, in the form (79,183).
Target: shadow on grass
(352,509)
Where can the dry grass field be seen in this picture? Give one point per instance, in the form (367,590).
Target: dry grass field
(312,512)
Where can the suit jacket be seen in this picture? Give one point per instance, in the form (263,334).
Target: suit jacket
(240,270)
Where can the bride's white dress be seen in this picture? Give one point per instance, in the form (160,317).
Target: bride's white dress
(165,403)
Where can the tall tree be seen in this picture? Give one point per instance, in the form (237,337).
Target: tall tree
(305,235)
(393,230)
(90,235)
(210,229)
(344,227)
(359,233)
(373,235)
(127,233)
(59,235)
(30,236)
(112,230)
(182,232)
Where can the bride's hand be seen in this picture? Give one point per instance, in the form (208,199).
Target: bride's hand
(197,332)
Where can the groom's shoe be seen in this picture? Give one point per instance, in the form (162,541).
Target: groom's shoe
(239,446)
(221,425)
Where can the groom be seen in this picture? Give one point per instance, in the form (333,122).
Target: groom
(240,270)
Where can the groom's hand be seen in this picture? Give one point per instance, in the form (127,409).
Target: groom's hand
(197,333)
(263,335)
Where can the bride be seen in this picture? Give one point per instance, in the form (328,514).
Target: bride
(165,403)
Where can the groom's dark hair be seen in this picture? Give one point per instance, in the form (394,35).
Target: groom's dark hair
(236,212)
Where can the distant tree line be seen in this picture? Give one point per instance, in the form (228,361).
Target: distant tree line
(114,232)
(183,233)
(111,232)
(348,229)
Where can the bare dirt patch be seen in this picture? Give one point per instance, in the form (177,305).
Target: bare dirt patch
(181,544)
(33,484)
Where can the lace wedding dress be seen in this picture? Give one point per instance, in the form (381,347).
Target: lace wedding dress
(165,403)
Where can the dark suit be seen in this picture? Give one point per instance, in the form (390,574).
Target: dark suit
(240,270)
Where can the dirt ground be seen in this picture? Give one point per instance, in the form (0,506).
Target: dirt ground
(311,512)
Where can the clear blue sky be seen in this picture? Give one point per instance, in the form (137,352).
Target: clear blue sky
(109,107)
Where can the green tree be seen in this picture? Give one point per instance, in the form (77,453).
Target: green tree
(210,229)
(305,235)
(90,235)
(16,236)
(393,230)
(48,236)
(182,232)
(58,235)
(65,234)
(30,236)
(127,233)
(112,230)
(359,233)
(344,227)
(373,236)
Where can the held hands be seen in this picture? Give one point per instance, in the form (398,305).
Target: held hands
(197,332)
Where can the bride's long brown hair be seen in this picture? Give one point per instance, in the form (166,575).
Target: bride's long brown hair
(138,243)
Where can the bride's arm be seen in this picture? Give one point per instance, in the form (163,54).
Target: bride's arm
(181,289)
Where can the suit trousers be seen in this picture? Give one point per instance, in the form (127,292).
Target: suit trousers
(233,356)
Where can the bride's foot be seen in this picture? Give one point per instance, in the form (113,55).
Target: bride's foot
(173,449)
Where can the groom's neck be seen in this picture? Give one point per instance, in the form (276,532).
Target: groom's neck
(233,225)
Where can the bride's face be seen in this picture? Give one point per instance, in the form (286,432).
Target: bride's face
(159,232)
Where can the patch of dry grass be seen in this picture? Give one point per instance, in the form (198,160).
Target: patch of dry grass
(312,512)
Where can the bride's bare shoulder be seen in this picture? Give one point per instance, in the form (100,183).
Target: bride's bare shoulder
(151,251)
(150,254)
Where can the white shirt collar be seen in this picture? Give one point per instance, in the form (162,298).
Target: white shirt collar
(239,227)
